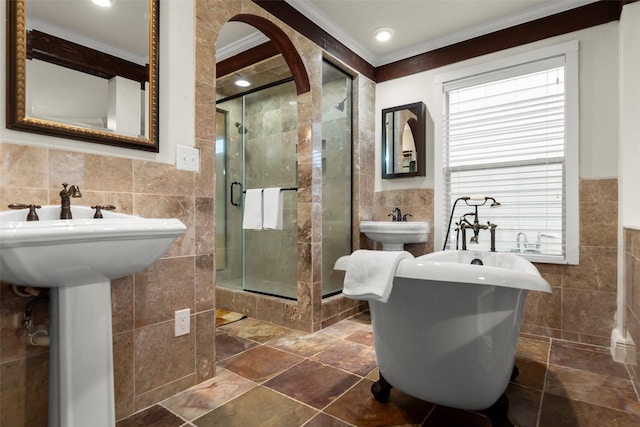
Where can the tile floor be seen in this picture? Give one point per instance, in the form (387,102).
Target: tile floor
(269,376)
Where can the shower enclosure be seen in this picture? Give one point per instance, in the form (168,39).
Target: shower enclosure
(256,147)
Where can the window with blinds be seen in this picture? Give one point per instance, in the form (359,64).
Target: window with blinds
(504,135)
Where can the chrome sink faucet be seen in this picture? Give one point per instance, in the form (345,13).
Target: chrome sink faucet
(65,199)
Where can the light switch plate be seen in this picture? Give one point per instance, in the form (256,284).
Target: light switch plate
(188,158)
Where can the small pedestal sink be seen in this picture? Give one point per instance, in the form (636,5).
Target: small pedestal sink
(393,235)
(77,258)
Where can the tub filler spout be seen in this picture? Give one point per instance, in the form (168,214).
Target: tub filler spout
(447,333)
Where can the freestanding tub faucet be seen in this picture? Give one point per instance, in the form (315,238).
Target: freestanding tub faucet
(65,201)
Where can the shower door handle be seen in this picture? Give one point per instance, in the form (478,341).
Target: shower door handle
(232,195)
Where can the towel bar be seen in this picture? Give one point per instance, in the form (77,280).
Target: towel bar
(233,184)
(282,189)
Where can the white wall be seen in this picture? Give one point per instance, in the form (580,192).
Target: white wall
(177,80)
(630,116)
(598,103)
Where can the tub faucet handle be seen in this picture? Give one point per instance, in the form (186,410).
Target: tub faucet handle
(100,208)
(32,215)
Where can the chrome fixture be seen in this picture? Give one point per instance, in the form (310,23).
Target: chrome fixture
(65,201)
(241,129)
(340,105)
(524,242)
(532,248)
(464,224)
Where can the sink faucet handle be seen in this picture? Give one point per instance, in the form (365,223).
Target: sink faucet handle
(393,217)
(404,217)
(32,215)
(100,208)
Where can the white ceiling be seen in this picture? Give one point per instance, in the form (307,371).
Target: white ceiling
(419,25)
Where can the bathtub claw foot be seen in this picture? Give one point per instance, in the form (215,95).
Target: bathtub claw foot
(381,390)
(497,413)
(514,373)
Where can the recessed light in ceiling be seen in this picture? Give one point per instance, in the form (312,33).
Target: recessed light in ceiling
(383,34)
(103,3)
(242,83)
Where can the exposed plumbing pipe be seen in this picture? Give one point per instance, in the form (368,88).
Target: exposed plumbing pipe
(38,335)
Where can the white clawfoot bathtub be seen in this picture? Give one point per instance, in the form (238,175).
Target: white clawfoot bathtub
(449,330)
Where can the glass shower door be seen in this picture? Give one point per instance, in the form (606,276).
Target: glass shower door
(261,152)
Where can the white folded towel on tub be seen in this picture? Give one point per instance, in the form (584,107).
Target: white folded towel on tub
(272,204)
(252,217)
(370,274)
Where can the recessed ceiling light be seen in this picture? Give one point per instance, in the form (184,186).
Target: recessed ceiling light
(242,83)
(103,3)
(383,34)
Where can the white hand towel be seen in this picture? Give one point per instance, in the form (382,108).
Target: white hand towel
(252,218)
(272,207)
(370,274)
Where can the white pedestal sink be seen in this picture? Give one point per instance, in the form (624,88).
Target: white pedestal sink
(77,258)
(393,235)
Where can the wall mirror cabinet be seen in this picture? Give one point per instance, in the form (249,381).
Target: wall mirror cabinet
(75,70)
(403,141)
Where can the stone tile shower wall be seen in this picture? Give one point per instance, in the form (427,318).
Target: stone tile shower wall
(150,364)
(632,304)
(270,161)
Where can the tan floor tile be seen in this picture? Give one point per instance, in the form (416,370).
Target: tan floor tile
(313,383)
(590,387)
(209,395)
(230,345)
(155,416)
(586,357)
(561,412)
(256,330)
(359,408)
(349,356)
(259,407)
(260,363)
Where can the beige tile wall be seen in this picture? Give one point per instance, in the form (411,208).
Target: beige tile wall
(632,303)
(150,364)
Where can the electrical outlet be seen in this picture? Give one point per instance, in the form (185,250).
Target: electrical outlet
(188,158)
(182,322)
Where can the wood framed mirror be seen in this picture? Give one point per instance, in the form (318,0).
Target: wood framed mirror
(403,141)
(77,71)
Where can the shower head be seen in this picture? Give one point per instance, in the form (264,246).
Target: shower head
(241,129)
(340,105)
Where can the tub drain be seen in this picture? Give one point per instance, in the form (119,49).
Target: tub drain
(477,261)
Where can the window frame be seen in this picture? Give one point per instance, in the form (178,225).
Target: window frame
(571,221)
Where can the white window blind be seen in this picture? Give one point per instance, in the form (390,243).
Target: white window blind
(504,134)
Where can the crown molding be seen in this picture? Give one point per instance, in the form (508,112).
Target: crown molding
(533,13)
(239,46)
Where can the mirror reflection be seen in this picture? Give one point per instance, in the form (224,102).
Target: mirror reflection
(403,141)
(83,71)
